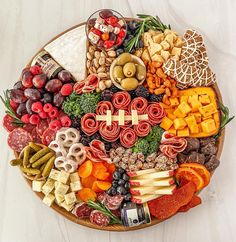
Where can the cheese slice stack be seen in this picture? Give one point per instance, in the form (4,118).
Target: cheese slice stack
(149,184)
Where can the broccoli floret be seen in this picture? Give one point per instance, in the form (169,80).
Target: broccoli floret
(89,101)
(141,146)
(152,147)
(155,134)
(71,105)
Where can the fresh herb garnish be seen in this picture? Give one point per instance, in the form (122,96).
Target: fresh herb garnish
(6,101)
(101,207)
(224,119)
(147,22)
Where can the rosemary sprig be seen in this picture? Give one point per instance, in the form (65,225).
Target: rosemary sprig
(147,22)
(224,119)
(6,101)
(101,207)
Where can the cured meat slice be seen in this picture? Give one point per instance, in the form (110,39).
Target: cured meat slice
(128,137)
(18,139)
(87,85)
(155,113)
(89,125)
(103,106)
(82,210)
(121,100)
(140,104)
(48,136)
(115,201)
(109,132)
(78,87)
(8,123)
(172,145)
(35,136)
(98,218)
(42,126)
(142,129)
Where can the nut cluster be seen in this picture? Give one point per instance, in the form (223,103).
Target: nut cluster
(99,62)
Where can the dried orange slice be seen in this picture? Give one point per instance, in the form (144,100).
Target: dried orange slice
(189,174)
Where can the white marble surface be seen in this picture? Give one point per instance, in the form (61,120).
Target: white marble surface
(26,25)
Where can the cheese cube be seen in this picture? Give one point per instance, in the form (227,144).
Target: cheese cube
(208,126)
(74,177)
(63,177)
(178,42)
(157,58)
(174,101)
(192,124)
(165,45)
(205,118)
(61,189)
(184,99)
(166,123)
(54,174)
(37,186)
(195,105)
(147,39)
(59,198)
(204,99)
(48,200)
(48,186)
(176,51)
(171,116)
(179,123)
(154,48)
(70,198)
(75,186)
(172,130)
(193,98)
(184,108)
(165,54)
(197,116)
(145,55)
(208,110)
(67,207)
(158,38)
(179,114)
(183,132)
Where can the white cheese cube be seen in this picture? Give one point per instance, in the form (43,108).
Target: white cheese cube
(61,189)
(110,28)
(97,25)
(116,30)
(54,174)
(48,186)
(67,207)
(63,177)
(74,177)
(56,184)
(104,28)
(121,22)
(75,186)
(37,186)
(176,51)
(100,20)
(48,200)
(70,198)
(93,37)
(59,198)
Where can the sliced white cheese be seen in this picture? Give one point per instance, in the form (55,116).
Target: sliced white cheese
(165,190)
(61,189)
(144,198)
(157,174)
(134,115)
(75,186)
(67,207)
(121,115)
(74,177)
(63,177)
(37,186)
(54,174)
(70,198)
(109,117)
(141,172)
(48,186)
(152,182)
(49,199)
(59,198)
(152,190)
(69,50)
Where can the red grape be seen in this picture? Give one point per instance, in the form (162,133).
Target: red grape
(17,96)
(64,76)
(32,94)
(53,85)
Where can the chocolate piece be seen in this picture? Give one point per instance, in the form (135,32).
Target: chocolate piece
(212,164)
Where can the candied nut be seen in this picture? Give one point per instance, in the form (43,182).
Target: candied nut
(111,53)
(159,91)
(160,73)
(89,56)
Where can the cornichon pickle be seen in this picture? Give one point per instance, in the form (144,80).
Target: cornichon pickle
(42,160)
(30,171)
(42,167)
(48,167)
(16,162)
(35,147)
(26,156)
(39,154)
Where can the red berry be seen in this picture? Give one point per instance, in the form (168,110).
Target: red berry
(43,115)
(14,105)
(37,107)
(96,31)
(25,118)
(47,107)
(112,20)
(34,119)
(53,113)
(55,124)
(119,41)
(122,33)
(108,44)
(65,121)
(36,70)
(27,79)
(39,80)
(66,90)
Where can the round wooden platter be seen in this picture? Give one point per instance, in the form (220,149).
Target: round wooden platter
(118,228)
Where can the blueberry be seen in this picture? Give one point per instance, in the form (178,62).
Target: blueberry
(121,182)
(115,184)
(121,190)
(133,24)
(121,170)
(125,177)
(127,197)
(127,185)
(109,191)
(113,191)
(116,175)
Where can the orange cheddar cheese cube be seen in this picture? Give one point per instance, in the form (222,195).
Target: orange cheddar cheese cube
(184,99)
(195,105)
(208,125)
(184,108)
(166,123)
(204,99)
(171,116)
(179,114)
(179,123)
(208,110)
(183,132)
(192,124)
(205,118)
(174,101)
(193,98)
(172,130)
(197,116)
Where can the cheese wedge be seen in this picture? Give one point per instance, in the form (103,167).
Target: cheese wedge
(152,182)
(157,174)
(144,198)
(152,190)
(141,172)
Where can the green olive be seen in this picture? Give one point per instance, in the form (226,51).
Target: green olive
(123,59)
(129,69)
(118,73)
(140,72)
(129,84)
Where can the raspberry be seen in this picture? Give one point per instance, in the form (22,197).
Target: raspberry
(55,124)
(25,118)
(34,119)
(53,113)
(65,121)
(14,105)
(47,107)
(43,115)
(37,107)
(36,70)
(66,89)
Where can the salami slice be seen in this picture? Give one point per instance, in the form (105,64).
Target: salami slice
(98,148)
(78,87)
(82,211)
(142,129)
(121,100)
(48,136)
(89,125)
(114,201)
(18,139)
(155,113)
(109,132)
(128,137)
(103,106)
(42,126)
(140,104)
(8,123)
(99,218)
(35,136)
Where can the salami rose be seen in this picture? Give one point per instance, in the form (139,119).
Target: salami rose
(121,100)
(140,104)
(142,129)
(155,113)
(109,132)
(89,125)
(128,137)
(103,106)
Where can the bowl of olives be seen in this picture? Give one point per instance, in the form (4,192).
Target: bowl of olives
(127,72)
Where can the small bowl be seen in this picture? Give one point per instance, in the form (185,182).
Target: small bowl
(95,15)
(136,60)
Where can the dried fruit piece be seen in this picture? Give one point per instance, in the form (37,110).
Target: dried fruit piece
(86,194)
(86,169)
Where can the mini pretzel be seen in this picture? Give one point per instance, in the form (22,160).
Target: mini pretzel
(58,148)
(77,153)
(68,136)
(65,164)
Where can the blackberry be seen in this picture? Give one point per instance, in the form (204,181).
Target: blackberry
(106,95)
(75,123)
(85,140)
(114,89)
(115,144)
(156,98)
(96,136)
(142,91)
(132,94)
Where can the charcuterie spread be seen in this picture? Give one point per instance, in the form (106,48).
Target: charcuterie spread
(117,122)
